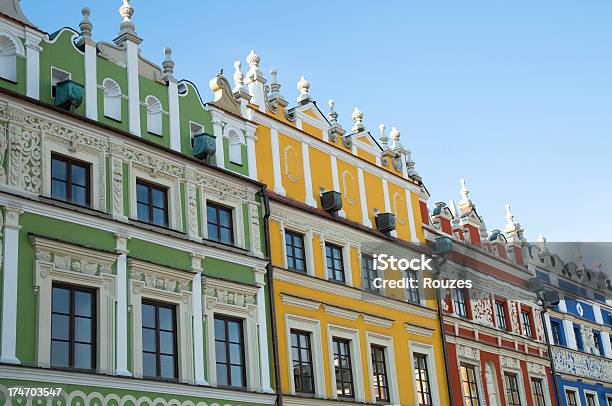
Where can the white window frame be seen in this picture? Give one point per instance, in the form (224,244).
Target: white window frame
(474,363)
(172,184)
(112,102)
(544,379)
(57,262)
(387,343)
(55,71)
(576,392)
(307,239)
(356,362)
(592,392)
(346,258)
(192,133)
(432,372)
(239,301)
(419,275)
(157,283)
(155,111)
(237,216)
(312,326)
(97,169)
(520,382)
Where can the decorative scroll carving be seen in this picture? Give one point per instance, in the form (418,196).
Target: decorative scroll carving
(192,209)
(151,280)
(512,363)
(117,179)
(482,310)
(3,148)
(292,169)
(348,181)
(514,317)
(255,231)
(25,159)
(536,368)
(468,353)
(230,297)
(68,263)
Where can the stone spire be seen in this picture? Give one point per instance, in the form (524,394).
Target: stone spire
(253,60)
(395,137)
(384,140)
(168,65)
(238,77)
(465,204)
(357,117)
(333,115)
(127,27)
(86,26)
(303,86)
(510,226)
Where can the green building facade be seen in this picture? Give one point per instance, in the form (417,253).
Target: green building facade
(132,272)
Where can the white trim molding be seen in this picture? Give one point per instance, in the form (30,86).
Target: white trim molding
(387,343)
(432,373)
(313,327)
(352,335)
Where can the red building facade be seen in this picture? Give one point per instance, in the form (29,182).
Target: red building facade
(495,342)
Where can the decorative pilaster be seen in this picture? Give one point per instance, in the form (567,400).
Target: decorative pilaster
(219,151)
(122,308)
(250,140)
(173,97)
(310,200)
(117,180)
(365,218)
(9,286)
(198,319)
(32,46)
(308,251)
(91,78)
(278,181)
(262,330)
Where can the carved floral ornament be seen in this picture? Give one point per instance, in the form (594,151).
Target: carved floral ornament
(218,293)
(25,133)
(468,353)
(146,276)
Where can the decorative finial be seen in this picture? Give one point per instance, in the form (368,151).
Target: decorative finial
(238,77)
(253,60)
(509,216)
(410,164)
(597,265)
(357,117)
(333,115)
(465,192)
(384,140)
(579,264)
(542,243)
(86,26)
(395,136)
(168,65)
(127,11)
(274,84)
(303,85)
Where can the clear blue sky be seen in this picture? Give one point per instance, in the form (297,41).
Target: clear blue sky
(514,96)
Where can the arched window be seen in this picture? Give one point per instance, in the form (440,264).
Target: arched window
(112,99)
(154,115)
(8,58)
(235,147)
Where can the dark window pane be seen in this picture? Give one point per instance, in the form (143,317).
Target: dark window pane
(235,353)
(167,366)
(237,376)
(79,175)
(220,351)
(148,315)
(149,341)
(166,318)
(142,193)
(83,304)
(61,300)
(159,217)
(142,212)
(219,329)
(83,329)
(166,342)
(82,356)
(58,169)
(60,327)
(222,375)
(159,198)
(226,236)
(149,364)
(224,218)
(60,351)
(59,190)
(212,232)
(79,195)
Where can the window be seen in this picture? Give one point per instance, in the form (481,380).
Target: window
(526,324)
(301,354)
(590,399)
(379,374)
(609,399)
(422,380)
(112,99)
(597,341)
(335,265)
(555,326)
(538,392)
(235,147)
(500,315)
(294,246)
(57,76)
(220,223)
(73,327)
(154,115)
(8,59)
(412,290)
(570,395)
(369,273)
(70,180)
(344,368)
(459,302)
(513,396)
(578,337)
(470,389)
(229,350)
(195,129)
(152,203)
(159,352)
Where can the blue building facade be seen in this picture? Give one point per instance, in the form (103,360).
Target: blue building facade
(579,327)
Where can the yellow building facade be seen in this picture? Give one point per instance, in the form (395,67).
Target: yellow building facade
(340,338)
